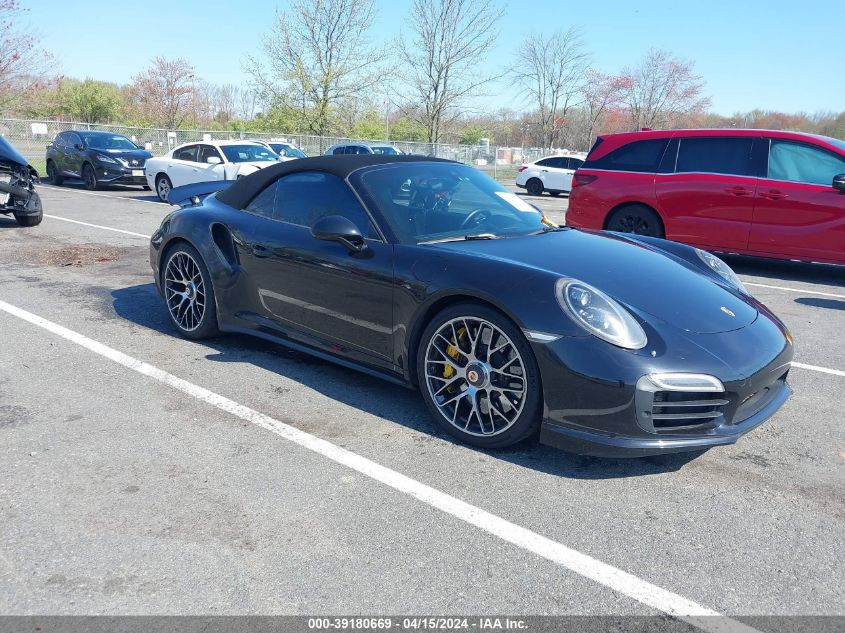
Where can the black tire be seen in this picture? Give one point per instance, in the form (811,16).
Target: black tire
(534,187)
(206,324)
(53,174)
(163,187)
(89,177)
(29,220)
(638,219)
(526,420)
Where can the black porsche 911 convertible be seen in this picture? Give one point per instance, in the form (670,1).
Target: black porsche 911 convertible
(430,274)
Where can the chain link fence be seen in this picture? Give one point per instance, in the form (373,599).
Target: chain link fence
(31,138)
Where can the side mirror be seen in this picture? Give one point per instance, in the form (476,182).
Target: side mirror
(336,228)
(213,160)
(79,146)
(839,183)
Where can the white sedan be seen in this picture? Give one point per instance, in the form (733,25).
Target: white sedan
(206,161)
(552,174)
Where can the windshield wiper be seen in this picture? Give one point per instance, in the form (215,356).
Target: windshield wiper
(550,229)
(462,238)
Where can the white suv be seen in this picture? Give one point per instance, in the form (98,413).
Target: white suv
(552,174)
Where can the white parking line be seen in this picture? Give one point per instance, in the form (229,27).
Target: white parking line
(824,370)
(96,226)
(799,290)
(100,195)
(587,566)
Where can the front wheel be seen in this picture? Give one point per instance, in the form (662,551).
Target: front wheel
(53,174)
(163,187)
(478,376)
(89,177)
(637,219)
(188,293)
(29,220)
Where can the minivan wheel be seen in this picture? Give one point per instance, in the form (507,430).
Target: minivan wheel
(637,219)
(534,187)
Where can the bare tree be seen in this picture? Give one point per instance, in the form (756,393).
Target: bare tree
(24,67)
(165,92)
(661,90)
(318,54)
(445,56)
(551,69)
(601,93)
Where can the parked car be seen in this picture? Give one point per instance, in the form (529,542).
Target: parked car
(363,148)
(754,192)
(285,151)
(462,289)
(17,187)
(98,158)
(552,174)
(206,161)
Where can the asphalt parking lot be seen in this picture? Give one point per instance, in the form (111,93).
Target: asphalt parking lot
(124,491)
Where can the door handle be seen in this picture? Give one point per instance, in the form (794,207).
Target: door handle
(739,191)
(260,250)
(773,195)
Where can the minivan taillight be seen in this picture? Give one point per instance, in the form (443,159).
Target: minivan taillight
(522,169)
(579,180)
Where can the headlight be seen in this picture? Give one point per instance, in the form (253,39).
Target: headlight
(104,159)
(599,314)
(720,268)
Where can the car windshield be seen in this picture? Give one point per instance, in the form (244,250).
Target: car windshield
(428,202)
(108,142)
(287,150)
(248,153)
(835,141)
(385,149)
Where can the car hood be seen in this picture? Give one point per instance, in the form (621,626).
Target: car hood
(645,279)
(9,153)
(140,155)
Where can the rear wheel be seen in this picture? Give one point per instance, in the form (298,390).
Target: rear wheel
(163,187)
(53,174)
(89,177)
(534,187)
(638,219)
(188,292)
(478,376)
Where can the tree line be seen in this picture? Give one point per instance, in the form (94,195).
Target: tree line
(320,72)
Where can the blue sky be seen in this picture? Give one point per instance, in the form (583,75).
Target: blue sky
(778,55)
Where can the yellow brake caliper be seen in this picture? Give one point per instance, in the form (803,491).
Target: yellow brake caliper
(452,350)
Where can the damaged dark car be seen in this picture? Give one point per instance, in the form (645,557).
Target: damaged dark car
(17,187)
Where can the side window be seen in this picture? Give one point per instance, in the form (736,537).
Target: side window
(73,140)
(189,153)
(640,156)
(546,162)
(207,151)
(559,162)
(305,197)
(716,155)
(339,150)
(797,162)
(265,202)
(61,140)
(575,163)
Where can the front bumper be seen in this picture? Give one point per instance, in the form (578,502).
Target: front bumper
(595,403)
(118,175)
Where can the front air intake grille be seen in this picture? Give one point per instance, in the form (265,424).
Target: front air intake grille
(677,410)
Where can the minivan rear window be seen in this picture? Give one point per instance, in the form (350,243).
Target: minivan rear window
(716,155)
(641,156)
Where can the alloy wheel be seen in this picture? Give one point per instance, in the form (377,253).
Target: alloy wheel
(475,376)
(184,291)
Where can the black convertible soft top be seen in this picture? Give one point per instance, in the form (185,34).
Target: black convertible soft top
(242,191)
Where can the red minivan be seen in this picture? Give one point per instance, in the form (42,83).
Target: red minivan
(754,192)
